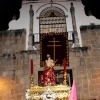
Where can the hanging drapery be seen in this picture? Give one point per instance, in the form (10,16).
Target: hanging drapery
(55,44)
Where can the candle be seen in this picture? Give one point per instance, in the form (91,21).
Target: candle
(31,68)
(64,65)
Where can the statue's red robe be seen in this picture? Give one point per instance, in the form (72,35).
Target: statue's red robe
(49,77)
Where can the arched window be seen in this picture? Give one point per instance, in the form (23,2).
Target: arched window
(52,19)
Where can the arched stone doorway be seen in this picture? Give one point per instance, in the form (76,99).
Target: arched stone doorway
(54,40)
(53,35)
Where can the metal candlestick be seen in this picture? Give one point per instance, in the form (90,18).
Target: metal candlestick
(31,80)
(64,80)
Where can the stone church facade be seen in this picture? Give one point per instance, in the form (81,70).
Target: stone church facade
(83,61)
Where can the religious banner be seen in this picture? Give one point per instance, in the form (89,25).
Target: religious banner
(55,44)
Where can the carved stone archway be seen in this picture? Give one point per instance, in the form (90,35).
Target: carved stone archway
(52,19)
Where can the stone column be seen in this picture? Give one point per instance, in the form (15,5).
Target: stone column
(30,41)
(75,34)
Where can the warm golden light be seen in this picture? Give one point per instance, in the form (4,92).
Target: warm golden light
(2,82)
(4,87)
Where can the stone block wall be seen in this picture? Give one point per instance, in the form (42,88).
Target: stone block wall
(15,65)
(91,39)
(12,71)
(84,62)
(12,78)
(79,74)
(15,75)
(12,41)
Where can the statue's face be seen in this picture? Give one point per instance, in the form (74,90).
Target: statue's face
(48,56)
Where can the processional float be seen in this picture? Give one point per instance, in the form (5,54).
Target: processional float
(57,92)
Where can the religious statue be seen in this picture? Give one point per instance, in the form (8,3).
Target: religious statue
(48,74)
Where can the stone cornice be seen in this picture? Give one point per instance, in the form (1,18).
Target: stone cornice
(29,51)
(12,32)
(85,27)
(38,1)
(77,49)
